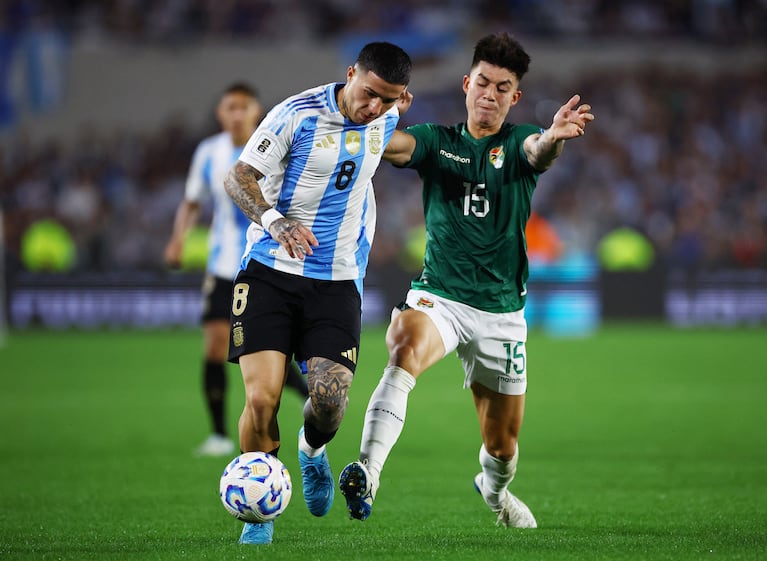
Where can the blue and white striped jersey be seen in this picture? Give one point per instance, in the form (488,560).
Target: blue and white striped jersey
(318,169)
(212,160)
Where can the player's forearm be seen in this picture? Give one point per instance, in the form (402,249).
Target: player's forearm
(186,217)
(543,149)
(400,148)
(242,186)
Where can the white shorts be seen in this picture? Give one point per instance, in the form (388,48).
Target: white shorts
(491,346)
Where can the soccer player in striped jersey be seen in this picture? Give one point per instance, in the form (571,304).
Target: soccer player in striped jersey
(238,112)
(478,181)
(305,180)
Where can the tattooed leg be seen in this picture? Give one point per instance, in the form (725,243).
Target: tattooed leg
(328,384)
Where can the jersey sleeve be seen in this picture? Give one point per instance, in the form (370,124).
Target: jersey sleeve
(425,137)
(197,185)
(271,142)
(521,132)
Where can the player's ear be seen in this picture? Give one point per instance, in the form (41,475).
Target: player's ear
(350,73)
(220,112)
(258,109)
(466,80)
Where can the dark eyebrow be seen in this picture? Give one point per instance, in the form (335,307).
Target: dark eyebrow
(501,83)
(374,93)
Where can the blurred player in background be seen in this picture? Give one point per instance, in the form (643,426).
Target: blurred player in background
(238,112)
(304,179)
(478,182)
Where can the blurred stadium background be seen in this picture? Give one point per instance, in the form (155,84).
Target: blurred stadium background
(659,213)
(642,442)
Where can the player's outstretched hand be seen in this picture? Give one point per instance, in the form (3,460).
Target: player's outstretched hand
(297,239)
(571,119)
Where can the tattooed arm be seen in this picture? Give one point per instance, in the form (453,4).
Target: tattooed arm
(569,122)
(244,189)
(242,185)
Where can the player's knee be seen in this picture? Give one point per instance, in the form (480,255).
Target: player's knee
(408,353)
(328,410)
(260,402)
(216,354)
(216,341)
(412,344)
(402,351)
(502,447)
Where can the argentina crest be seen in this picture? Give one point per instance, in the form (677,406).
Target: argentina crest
(238,335)
(375,140)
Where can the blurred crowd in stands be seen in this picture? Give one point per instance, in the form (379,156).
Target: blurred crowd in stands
(725,21)
(678,156)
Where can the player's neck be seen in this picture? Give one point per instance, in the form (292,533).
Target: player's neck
(239,141)
(478,131)
(341,103)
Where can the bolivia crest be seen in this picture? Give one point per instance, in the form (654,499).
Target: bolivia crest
(424,302)
(496,157)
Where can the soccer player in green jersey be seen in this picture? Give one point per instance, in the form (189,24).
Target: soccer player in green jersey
(478,182)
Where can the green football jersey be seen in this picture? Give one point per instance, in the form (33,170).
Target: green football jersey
(476,198)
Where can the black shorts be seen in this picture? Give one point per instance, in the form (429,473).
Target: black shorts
(216,298)
(295,315)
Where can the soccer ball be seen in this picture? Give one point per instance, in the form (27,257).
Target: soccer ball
(255,487)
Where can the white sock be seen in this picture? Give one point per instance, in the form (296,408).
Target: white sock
(496,475)
(306,448)
(385,417)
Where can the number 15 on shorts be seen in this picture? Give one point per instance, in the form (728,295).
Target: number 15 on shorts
(515,358)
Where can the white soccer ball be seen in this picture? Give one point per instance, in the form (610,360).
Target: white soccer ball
(255,487)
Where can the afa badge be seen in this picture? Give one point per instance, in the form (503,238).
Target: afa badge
(238,336)
(496,157)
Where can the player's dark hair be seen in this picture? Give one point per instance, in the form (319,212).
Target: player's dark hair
(388,61)
(241,88)
(501,49)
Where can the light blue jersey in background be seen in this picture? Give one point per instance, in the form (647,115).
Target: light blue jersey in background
(212,160)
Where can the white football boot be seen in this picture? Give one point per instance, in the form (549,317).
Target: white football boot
(215,445)
(512,513)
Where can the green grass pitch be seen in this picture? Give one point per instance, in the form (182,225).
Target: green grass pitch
(640,442)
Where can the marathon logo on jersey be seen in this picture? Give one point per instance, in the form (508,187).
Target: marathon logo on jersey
(374,140)
(496,157)
(353,142)
(424,302)
(451,156)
